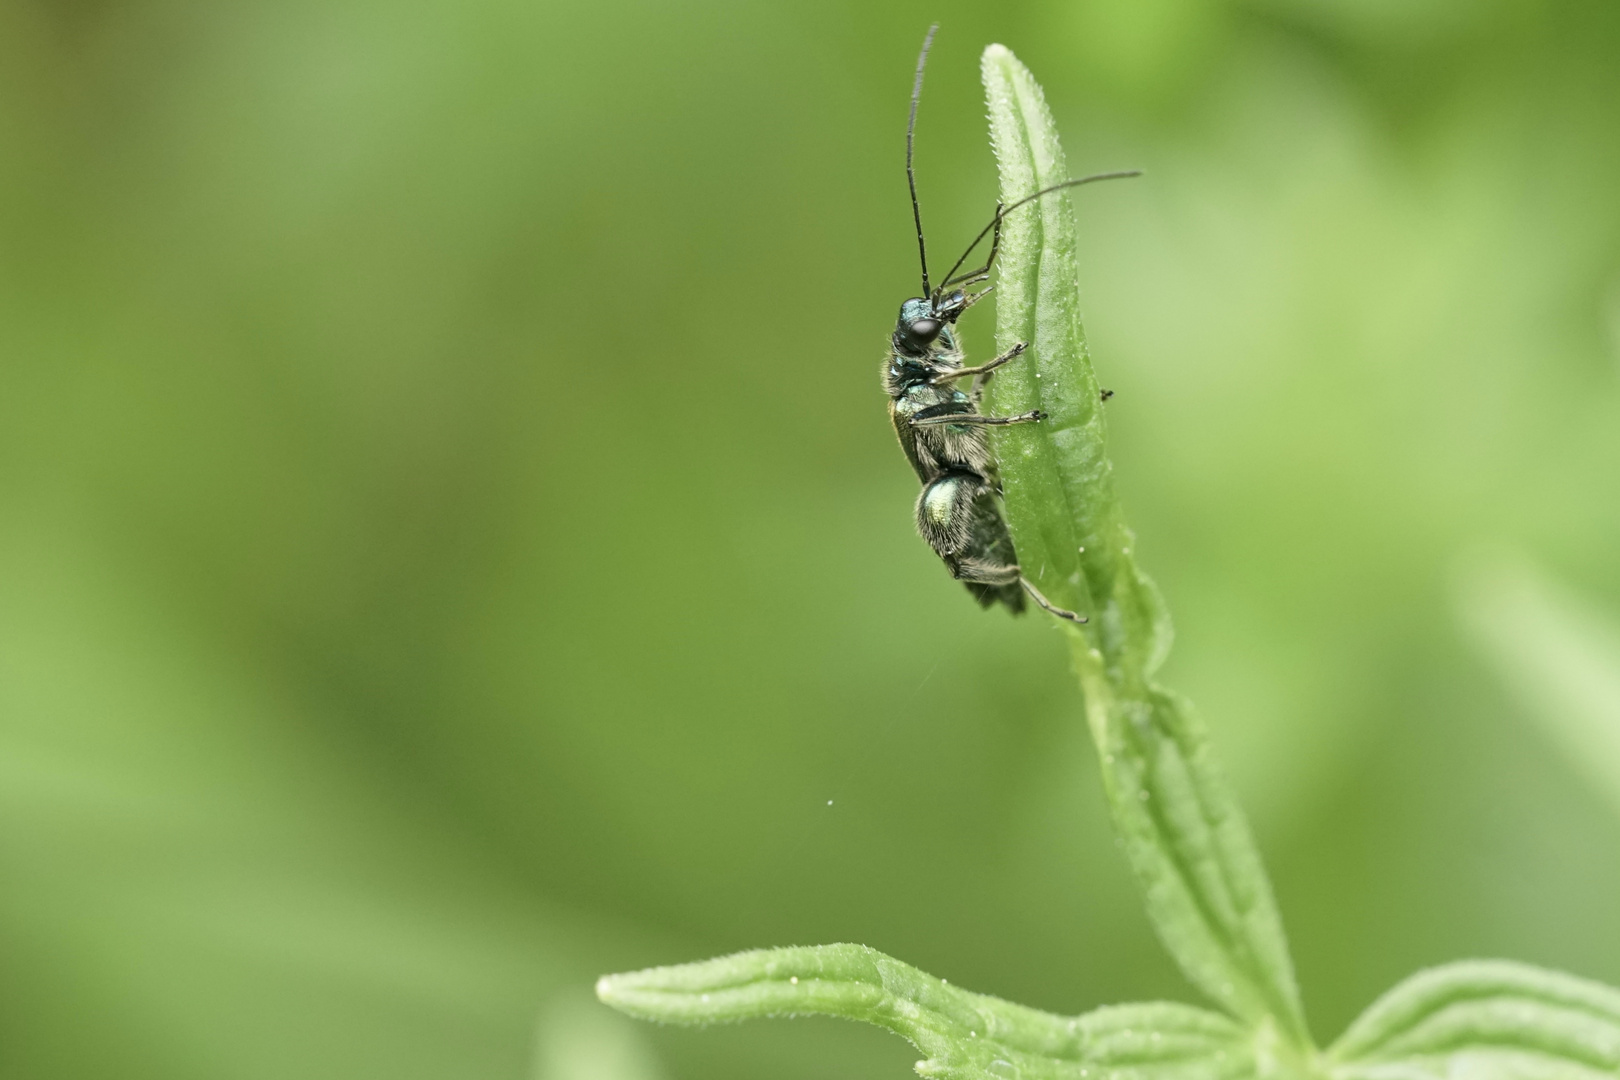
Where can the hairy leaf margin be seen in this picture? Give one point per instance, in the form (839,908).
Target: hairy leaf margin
(1490,1018)
(966,1036)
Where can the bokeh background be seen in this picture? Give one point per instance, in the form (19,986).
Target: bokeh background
(451,544)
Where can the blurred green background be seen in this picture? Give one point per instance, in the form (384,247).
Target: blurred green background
(451,544)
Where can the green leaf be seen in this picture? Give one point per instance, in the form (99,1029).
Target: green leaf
(1488,1019)
(1206,889)
(965,1036)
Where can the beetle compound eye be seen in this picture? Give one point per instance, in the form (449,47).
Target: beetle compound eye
(925,329)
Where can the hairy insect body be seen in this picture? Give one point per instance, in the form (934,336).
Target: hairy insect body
(959,515)
(916,392)
(942,433)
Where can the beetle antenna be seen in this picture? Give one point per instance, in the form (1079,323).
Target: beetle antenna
(1002,212)
(911,175)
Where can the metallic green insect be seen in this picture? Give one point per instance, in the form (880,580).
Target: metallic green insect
(940,428)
